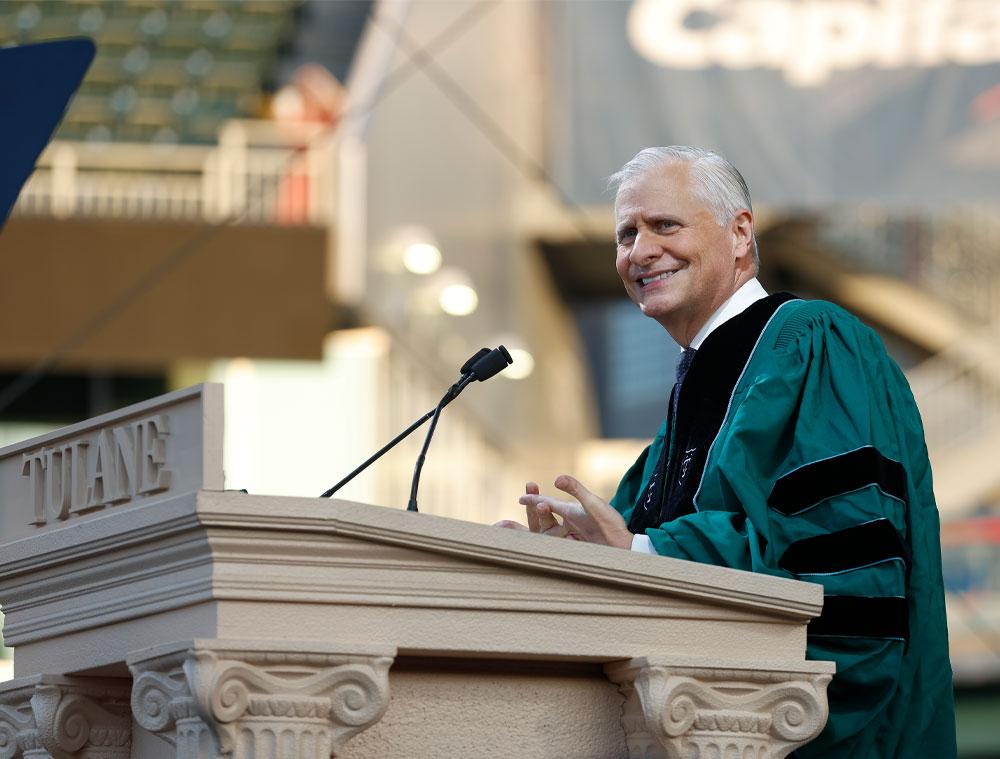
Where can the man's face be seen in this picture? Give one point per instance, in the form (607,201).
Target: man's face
(677,263)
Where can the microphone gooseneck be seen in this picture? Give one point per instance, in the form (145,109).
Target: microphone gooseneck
(487,365)
(480,366)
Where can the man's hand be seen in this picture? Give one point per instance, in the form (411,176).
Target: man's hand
(547,525)
(591,519)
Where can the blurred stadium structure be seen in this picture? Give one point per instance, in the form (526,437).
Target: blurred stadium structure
(164,71)
(334,271)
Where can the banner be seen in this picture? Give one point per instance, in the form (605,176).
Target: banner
(896,102)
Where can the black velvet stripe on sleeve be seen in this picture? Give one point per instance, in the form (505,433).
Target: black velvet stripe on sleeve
(855,547)
(863,617)
(812,483)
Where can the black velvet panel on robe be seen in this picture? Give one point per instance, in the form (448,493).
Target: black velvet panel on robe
(701,410)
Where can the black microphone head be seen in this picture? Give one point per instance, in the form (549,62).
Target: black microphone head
(467,366)
(493,362)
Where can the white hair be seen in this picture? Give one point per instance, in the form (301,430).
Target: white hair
(717,182)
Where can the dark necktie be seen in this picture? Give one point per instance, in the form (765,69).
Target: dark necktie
(648,515)
(687,356)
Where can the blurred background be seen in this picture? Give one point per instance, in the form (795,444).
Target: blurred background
(329,205)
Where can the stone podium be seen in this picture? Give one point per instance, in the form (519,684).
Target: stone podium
(155,615)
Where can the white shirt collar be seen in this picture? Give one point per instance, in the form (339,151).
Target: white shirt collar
(738,302)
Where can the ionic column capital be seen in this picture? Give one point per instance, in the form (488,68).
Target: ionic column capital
(673,711)
(261,695)
(18,731)
(52,717)
(162,703)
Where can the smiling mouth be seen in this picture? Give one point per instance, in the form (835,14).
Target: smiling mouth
(643,281)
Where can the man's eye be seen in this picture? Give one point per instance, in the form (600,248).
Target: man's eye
(666,224)
(625,236)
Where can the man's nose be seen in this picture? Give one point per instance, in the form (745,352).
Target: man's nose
(645,249)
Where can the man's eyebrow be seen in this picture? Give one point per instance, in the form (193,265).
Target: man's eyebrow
(628,220)
(649,218)
(654,217)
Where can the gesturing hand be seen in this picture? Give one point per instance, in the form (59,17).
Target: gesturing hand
(548,526)
(590,519)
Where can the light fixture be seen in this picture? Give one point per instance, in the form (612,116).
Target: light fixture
(523,366)
(422,258)
(412,248)
(458,299)
(454,291)
(523,362)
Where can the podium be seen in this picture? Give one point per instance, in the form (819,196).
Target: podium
(155,615)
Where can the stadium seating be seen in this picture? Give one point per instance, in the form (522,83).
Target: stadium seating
(165,70)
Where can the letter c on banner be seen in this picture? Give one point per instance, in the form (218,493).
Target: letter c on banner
(657,32)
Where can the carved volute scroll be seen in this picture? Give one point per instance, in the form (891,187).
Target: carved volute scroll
(162,704)
(86,721)
(65,718)
(260,703)
(699,712)
(18,732)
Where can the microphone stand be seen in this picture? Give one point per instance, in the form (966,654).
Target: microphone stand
(481,366)
(387,447)
(451,395)
(435,412)
(412,505)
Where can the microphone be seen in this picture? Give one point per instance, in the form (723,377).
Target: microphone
(487,365)
(491,363)
(467,366)
(472,369)
(481,367)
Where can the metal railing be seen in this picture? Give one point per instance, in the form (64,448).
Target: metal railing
(256,174)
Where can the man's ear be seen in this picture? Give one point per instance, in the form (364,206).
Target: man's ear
(742,228)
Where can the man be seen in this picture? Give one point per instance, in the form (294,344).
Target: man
(792,446)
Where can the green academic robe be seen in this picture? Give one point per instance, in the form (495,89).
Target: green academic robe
(798,451)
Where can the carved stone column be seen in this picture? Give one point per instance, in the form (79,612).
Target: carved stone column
(687,712)
(51,717)
(256,699)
